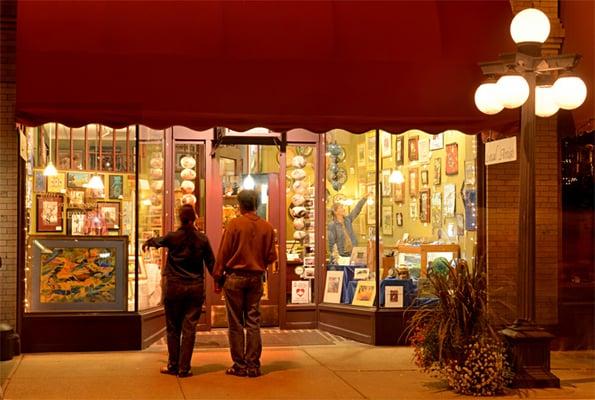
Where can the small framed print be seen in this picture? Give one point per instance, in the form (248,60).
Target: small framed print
(437,164)
(77,179)
(50,213)
(413,189)
(424,205)
(436,209)
(413,208)
(387,220)
(116,186)
(386,185)
(39,182)
(76,198)
(399,192)
(424,177)
(300,292)
(399,218)
(460,224)
(437,141)
(386,148)
(57,183)
(393,296)
(361,273)
(371,146)
(75,222)
(424,150)
(333,287)
(371,209)
(364,293)
(413,148)
(309,273)
(110,210)
(399,150)
(359,255)
(470,172)
(361,154)
(449,199)
(452,159)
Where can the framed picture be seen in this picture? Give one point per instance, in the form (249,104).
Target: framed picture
(371,209)
(387,220)
(57,183)
(399,218)
(460,224)
(76,198)
(413,209)
(413,189)
(386,148)
(364,293)
(111,213)
(393,296)
(361,273)
(333,287)
(309,273)
(424,205)
(77,179)
(437,141)
(359,255)
(413,148)
(399,150)
(424,177)
(386,185)
(436,209)
(470,172)
(361,154)
(116,186)
(371,146)
(49,213)
(424,150)
(399,192)
(95,223)
(75,222)
(452,159)
(97,193)
(449,199)
(105,257)
(437,164)
(300,292)
(39,182)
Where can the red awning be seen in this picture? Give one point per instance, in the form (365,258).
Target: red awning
(356,65)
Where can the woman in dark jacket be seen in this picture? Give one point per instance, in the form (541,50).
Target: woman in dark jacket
(182,280)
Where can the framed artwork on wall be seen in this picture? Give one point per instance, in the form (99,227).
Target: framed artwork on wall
(470,172)
(399,192)
(57,183)
(452,159)
(116,186)
(50,213)
(386,149)
(413,188)
(371,146)
(424,150)
(424,205)
(399,218)
(111,213)
(371,209)
(75,222)
(413,149)
(424,177)
(449,199)
(386,185)
(361,154)
(437,164)
(387,220)
(77,179)
(39,182)
(399,150)
(413,209)
(437,141)
(436,209)
(76,198)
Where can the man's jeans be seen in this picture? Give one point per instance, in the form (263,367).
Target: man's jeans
(183,304)
(243,291)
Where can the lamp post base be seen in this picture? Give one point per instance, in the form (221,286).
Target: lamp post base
(530,348)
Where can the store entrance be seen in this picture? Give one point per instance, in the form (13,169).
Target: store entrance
(243,166)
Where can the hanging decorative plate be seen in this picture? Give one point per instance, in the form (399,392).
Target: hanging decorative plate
(341,176)
(187,187)
(304,150)
(298,174)
(189,199)
(298,162)
(188,174)
(156,162)
(187,162)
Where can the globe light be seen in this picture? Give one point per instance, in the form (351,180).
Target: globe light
(570,91)
(50,169)
(513,90)
(248,183)
(396,177)
(545,101)
(487,99)
(530,25)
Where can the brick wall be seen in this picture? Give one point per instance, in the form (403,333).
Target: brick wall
(8,165)
(502,199)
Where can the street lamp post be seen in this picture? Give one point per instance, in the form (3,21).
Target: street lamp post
(524,79)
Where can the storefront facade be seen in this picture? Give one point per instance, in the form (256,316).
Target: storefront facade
(339,167)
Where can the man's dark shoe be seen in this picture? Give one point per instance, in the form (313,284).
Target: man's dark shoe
(236,371)
(254,372)
(184,374)
(169,371)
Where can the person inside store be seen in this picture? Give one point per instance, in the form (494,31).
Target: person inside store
(189,252)
(341,237)
(247,248)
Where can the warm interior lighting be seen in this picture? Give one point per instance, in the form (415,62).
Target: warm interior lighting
(248,183)
(95,183)
(396,177)
(570,91)
(487,99)
(530,26)
(513,90)
(545,101)
(49,169)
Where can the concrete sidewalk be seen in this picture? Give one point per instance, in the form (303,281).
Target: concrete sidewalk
(345,370)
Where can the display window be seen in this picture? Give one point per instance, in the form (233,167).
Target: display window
(79,218)
(414,193)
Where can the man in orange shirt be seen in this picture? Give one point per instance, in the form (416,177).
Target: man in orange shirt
(247,247)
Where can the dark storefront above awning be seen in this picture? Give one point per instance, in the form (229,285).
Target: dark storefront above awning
(356,65)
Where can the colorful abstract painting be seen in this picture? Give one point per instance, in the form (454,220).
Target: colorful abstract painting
(78,275)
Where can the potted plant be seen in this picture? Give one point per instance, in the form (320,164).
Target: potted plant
(455,339)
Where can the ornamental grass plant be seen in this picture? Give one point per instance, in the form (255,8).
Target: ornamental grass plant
(456,338)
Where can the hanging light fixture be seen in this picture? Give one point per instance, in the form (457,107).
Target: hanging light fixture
(487,99)
(50,169)
(96,183)
(248,183)
(513,90)
(396,177)
(545,101)
(570,91)
(530,26)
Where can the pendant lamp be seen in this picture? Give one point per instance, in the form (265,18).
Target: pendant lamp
(50,169)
